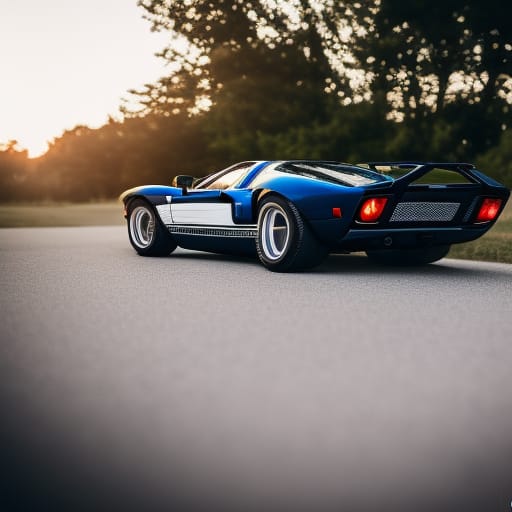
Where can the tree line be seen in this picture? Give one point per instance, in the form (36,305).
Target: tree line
(349,81)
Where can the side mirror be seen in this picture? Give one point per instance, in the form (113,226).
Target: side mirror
(183,181)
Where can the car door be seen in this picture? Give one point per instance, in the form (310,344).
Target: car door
(208,205)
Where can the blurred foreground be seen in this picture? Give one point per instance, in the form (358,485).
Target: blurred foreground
(158,384)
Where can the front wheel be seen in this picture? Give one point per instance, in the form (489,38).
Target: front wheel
(409,257)
(147,234)
(284,242)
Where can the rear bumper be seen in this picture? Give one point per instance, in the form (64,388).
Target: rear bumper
(374,239)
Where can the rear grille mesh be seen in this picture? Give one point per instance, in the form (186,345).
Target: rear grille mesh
(424,212)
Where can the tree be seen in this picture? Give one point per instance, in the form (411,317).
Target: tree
(15,169)
(256,69)
(428,55)
(214,43)
(498,160)
(85,164)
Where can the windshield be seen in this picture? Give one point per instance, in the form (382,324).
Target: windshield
(333,172)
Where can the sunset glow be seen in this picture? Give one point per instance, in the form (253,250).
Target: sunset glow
(70,63)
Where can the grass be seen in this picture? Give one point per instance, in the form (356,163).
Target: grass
(54,214)
(494,246)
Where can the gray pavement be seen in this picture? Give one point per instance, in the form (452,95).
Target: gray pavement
(206,381)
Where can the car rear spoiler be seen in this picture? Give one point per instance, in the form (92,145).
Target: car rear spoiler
(412,164)
(419,169)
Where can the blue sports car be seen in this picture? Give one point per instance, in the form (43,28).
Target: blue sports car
(292,213)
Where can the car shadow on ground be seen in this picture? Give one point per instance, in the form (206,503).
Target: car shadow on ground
(214,257)
(358,263)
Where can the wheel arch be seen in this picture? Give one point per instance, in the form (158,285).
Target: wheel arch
(129,199)
(152,200)
(153,194)
(260,194)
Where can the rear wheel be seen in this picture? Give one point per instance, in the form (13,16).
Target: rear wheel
(147,234)
(409,257)
(284,242)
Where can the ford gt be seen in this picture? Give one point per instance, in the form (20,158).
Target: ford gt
(291,214)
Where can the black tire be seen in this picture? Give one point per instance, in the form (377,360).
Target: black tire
(285,242)
(409,257)
(147,234)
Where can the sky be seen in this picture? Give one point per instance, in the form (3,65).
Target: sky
(70,62)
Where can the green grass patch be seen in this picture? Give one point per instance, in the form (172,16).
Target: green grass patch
(496,245)
(51,214)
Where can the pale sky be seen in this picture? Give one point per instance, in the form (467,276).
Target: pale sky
(69,62)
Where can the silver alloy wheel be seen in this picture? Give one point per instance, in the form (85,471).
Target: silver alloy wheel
(142,226)
(274,231)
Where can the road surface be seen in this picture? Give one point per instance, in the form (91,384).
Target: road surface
(202,381)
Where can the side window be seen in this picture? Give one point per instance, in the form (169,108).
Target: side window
(230,178)
(264,175)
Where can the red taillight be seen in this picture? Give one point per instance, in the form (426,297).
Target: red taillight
(489,210)
(372,209)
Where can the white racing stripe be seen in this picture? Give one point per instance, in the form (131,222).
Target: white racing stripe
(202,214)
(203,219)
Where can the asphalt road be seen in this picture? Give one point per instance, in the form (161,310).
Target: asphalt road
(202,381)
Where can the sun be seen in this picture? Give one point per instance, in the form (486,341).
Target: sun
(34,130)
(30,138)
(64,66)
(35,144)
